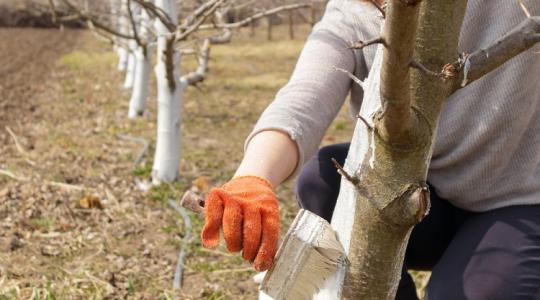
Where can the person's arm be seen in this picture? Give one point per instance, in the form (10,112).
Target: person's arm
(289,132)
(272,155)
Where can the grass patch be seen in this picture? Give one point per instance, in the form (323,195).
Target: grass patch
(45,224)
(82,60)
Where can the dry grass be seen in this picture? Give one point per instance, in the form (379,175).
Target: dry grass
(57,248)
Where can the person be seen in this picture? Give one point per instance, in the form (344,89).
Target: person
(482,237)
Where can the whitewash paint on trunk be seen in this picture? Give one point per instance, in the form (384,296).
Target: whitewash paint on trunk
(131,66)
(143,60)
(122,58)
(140,83)
(167,156)
(344,213)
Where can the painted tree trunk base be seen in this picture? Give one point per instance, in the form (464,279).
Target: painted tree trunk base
(140,84)
(122,59)
(130,71)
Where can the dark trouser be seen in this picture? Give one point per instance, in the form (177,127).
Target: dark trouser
(491,255)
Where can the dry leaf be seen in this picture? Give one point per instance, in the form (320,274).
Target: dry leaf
(89,202)
(202,183)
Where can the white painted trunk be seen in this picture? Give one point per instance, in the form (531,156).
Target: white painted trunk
(140,83)
(122,58)
(143,60)
(361,145)
(169,92)
(130,70)
(123,53)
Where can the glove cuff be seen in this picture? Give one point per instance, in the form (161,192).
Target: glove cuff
(262,180)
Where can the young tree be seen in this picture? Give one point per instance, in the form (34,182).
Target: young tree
(383,190)
(169,33)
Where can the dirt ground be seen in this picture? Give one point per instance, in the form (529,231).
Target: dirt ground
(73,224)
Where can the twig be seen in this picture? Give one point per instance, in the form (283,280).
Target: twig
(369,126)
(524,8)
(19,147)
(342,172)
(133,24)
(361,44)
(351,76)
(256,16)
(51,183)
(416,65)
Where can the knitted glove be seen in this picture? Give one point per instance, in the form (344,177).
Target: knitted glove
(248,209)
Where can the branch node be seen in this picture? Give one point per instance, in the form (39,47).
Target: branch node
(351,178)
(361,44)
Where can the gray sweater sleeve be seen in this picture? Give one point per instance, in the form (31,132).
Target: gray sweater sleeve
(307,104)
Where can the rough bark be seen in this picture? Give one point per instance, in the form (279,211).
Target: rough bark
(391,149)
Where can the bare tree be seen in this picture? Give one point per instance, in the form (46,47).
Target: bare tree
(383,191)
(168,34)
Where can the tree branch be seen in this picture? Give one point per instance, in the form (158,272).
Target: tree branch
(158,13)
(199,74)
(256,16)
(399,34)
(351,76)
(183,33)
(89,18)
(481,62)
(133,24)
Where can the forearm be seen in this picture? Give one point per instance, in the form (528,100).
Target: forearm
(270,154)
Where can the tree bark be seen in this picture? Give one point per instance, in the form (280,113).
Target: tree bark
(269,28)
(391,149)
(291,24)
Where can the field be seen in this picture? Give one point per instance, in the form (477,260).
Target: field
(62,112)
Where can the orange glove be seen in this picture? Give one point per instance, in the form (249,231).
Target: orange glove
(248,209)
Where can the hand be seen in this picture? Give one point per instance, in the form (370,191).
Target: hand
(248,209)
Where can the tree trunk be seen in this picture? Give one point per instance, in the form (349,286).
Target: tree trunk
(140,85)
(131,66)
(269,28)
(122,58)
(169,92)
(143,60)
(390,151)
(291,25)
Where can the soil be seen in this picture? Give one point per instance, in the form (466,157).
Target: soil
(73,222)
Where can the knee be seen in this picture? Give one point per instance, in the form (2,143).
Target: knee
(317,185)
(491,283)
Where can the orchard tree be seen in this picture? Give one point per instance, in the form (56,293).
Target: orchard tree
(126,23)
(383,190)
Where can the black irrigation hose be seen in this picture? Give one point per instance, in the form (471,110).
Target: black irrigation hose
(179,271)
(177,281)
(140,140)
